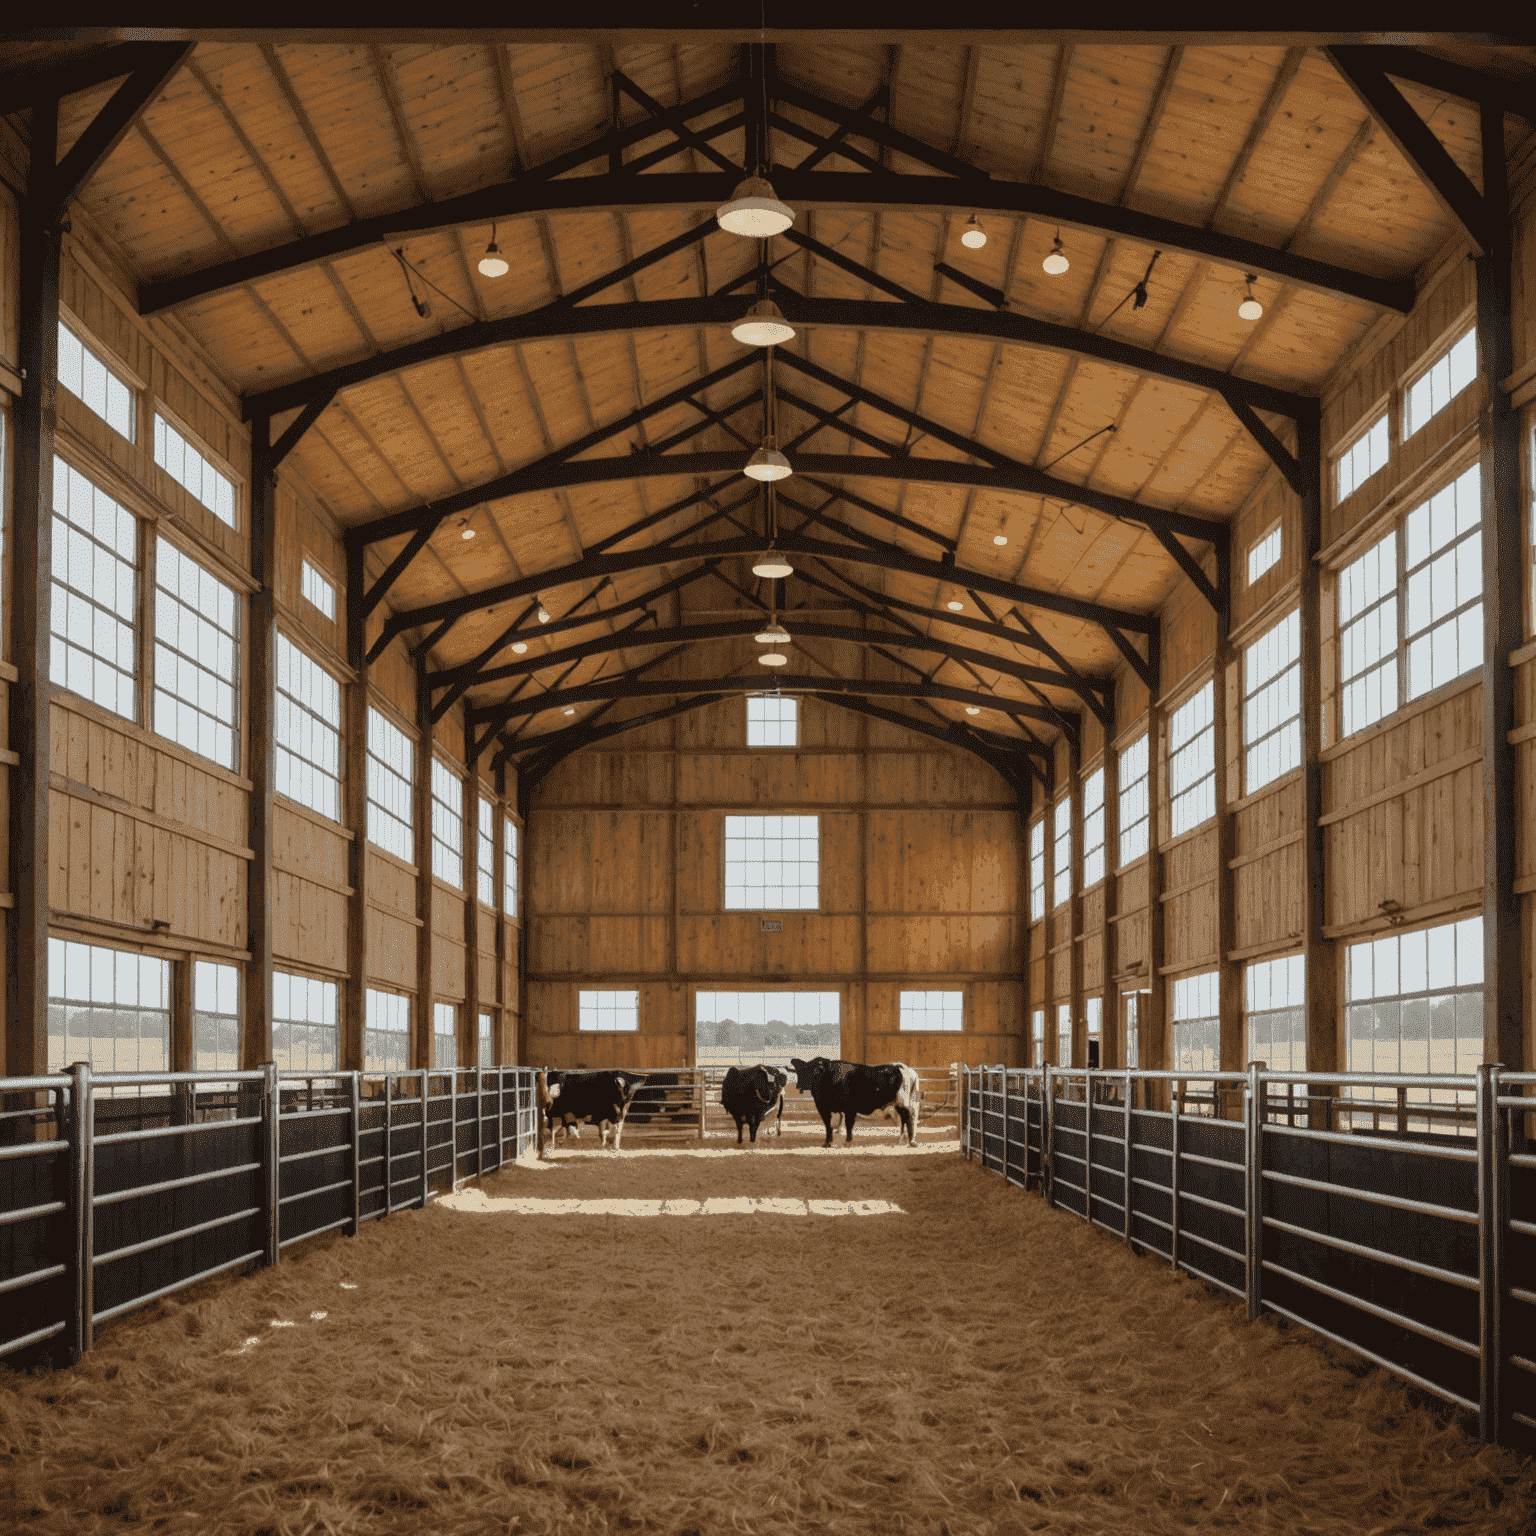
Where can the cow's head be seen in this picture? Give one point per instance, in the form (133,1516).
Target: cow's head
(805,1072)
(778,1078)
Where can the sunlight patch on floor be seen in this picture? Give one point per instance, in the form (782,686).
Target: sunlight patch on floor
(477,1202)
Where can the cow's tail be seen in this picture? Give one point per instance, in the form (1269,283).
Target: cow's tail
(908,1098)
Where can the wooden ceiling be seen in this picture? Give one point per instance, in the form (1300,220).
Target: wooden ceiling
(257,145)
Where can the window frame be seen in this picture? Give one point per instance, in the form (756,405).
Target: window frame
(406,1003)
(236,640)
(434,803)
(1126,787)
(909,1006)
(296,703)
(1381,418)
(288,1019)
(1060,835)
(1195,786)
(1465,328)
(309,567)
(1038,889)
(1091,816)
(116,371)
(1275,531)
(778,725)
(375,807)
(782,886)
(511,867)
(597,1009)
(158,409)
(1251,692)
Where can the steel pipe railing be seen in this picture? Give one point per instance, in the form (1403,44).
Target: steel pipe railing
(1275,1265)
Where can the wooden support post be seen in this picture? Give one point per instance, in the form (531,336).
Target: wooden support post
(1503,561)
(1226,704)
(256,1037)
(422,1022)
(1153,1030)
(469,1026)
(354,1000)
(1109,993)
(31,561)
(1075,906)
(499,1049)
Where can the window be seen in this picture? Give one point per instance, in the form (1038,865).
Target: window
(608,1011)
(1264,553)
(1196,1024)
(1095,1007)
(93,647)
(445,1035)
(1272,704)
(94,384)
(215,1017)
(317,589)
(1133,1030)
(391,770)
(772,863)
(197,656)
(1192,761)
(308,731)
(485,1042)
(1415,1006)
(932,1010)
(771,721)
(1275,999)
(740,1029)
(1135,804)
(1037,870)
(485,843)
(1429,632)
(1368,637)
(1440,383)
(509,868)
(1063,1034)
(1037,1037)
(1443,561)
(109,1007)
(1361,459)
(193,472)
(447,825)
(1061,852)
(386,1032)
(303,1023)
(1093,828)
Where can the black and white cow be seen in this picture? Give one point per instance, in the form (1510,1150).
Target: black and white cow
(851,1089)
(749,1095)
(569,1098)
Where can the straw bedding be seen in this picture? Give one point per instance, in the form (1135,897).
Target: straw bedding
(978,1365)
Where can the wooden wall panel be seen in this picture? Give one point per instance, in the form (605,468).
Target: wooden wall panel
(309,923)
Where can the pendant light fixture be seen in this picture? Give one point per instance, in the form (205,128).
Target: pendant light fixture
(465,531)
(973,236)
(1056,262)
(543,612)
(774,659)
(1250,308)
(973,709)
(767,463)
(1000,539)
(775,634)
(755,210)
(570,709)
(493,263)
(763,326)
(772,566)
(520,647)
(955,605)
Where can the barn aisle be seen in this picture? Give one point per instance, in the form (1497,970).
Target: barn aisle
(978,1365)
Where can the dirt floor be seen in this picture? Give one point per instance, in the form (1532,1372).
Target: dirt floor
(978,1364)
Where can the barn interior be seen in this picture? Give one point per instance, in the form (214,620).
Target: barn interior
(655,549)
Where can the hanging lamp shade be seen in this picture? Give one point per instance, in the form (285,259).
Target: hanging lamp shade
(973,237)
(775,634)
(520,646)
(754,210)
(493,263)
(774,659)
(973,709)
(768,464)
(1056,262)
(763,326)
(772,566)
(1250,308)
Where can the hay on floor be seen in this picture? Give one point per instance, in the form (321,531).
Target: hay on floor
(978,1365)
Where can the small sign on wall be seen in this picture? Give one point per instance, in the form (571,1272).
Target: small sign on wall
(772,925)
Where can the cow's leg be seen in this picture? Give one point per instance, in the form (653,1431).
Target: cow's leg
(848,1118)
(754,1122)
(826,1120)
(778,1120)
(906,1124)
(739,1124)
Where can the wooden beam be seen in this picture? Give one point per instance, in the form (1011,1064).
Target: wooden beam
(31,568)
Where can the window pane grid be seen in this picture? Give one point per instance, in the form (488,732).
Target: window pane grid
(1196,1024)
(1443,602)
(307,731)
(1264,554)
(1037,1036)
(197,656)
(485,1042)
(1061,852)
(608,1011)
(509,870)
(94,384)
(739,1029)
(1037,870)
(1192,762)
(386,1032)
(445,1035)
(109,1007)
(303,1023)
(485,852)
(93,641)
(772,721)
(215,1017)
(1440,383)
(933,1011)
(191,470)
(1272,704)
(1093,828)
(1362,458)
(316,588)
(1135,803)
(772,863)
(1063,1034)
(1368,636)
(447,825)
(1275,1001)
(391,777)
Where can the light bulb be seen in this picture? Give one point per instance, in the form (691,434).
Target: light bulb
(1056,263)
(570,709)
(493,263)
(520,646)
(767,464)
(755,210)
(774,659)
(1250,308)
(973,709)
(543,615)
(973,237)
(1000,539)
(763,326)
(466,533)
(772,566)
(955,605)
(775,634)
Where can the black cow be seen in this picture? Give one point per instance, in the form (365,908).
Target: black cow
(750,1094)
(568,1098)
(661,1096)
(851,1089)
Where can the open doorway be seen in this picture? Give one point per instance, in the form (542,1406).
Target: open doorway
(740,1029)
